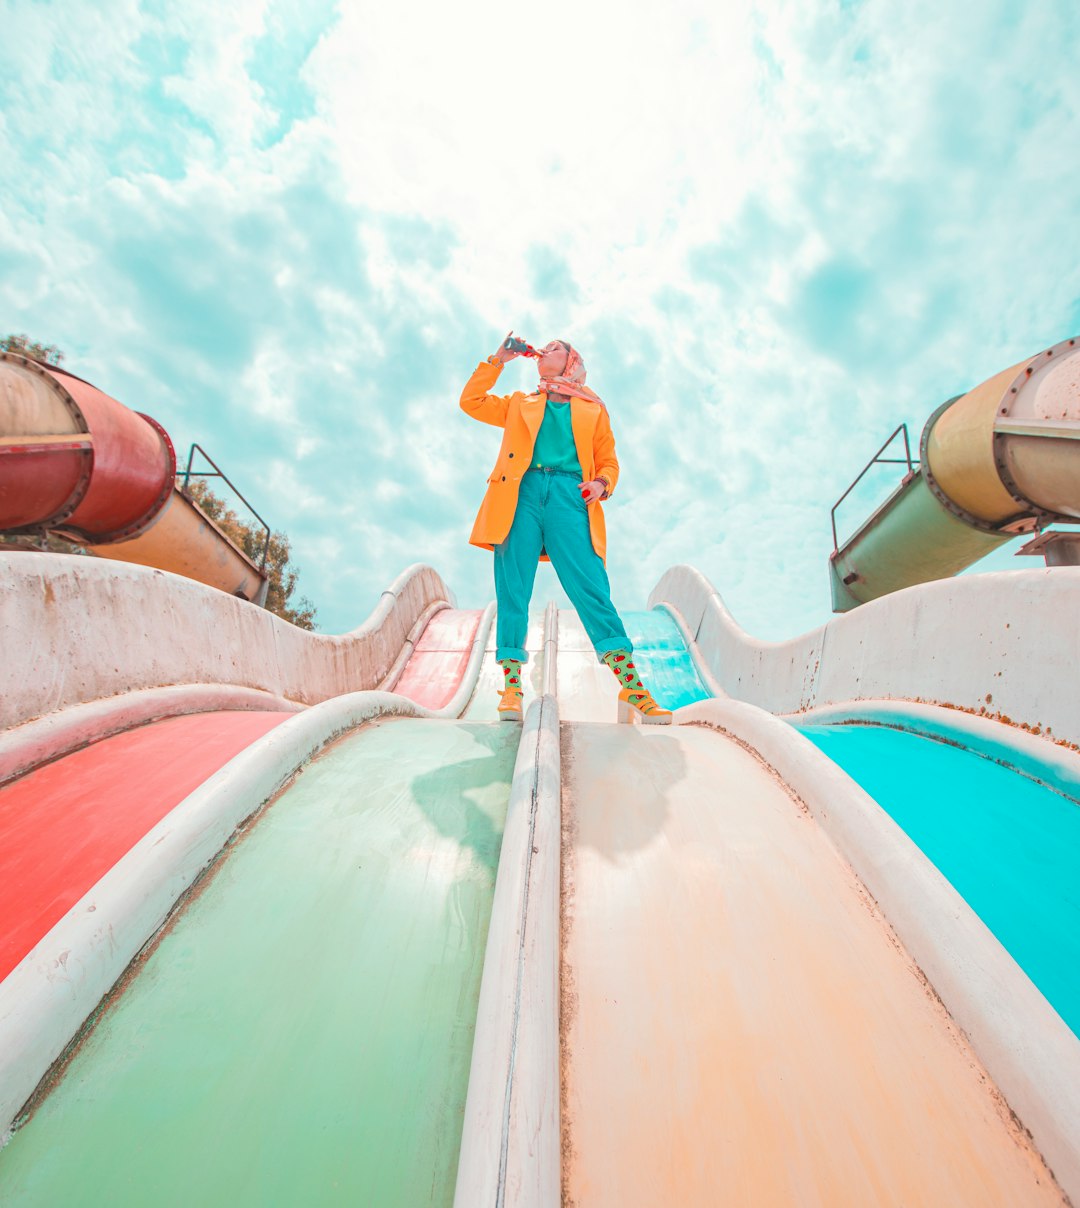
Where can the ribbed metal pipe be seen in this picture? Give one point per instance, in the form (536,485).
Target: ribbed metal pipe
(910,539)
(74,460)
(46,453)
(71,457)
(1006,455)
(1000,460)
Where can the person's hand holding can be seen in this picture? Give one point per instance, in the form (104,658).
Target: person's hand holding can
(592,491)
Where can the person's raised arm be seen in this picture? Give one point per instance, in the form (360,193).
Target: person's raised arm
(476,399)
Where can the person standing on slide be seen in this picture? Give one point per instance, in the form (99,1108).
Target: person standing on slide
(556,466)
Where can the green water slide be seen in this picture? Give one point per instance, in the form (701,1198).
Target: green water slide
(302,1032)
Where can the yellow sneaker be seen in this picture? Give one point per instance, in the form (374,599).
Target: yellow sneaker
(640,706)
(510,705)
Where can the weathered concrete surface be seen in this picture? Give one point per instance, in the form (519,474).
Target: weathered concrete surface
(587,689)
(57,649)
(1002,645)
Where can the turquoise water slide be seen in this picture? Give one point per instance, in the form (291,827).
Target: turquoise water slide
(662,656)
(1002,836)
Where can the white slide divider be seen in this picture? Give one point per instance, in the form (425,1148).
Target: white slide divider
(46,738)
(511,1146)
(1029,755)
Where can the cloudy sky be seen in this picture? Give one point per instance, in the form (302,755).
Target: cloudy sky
(289,229)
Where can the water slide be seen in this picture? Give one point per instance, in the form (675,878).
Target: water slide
(292,918)
(77,462)
(1000,460)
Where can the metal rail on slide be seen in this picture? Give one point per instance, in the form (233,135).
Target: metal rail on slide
(218,472)
(878,460)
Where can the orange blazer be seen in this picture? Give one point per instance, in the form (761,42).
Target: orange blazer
(520,416)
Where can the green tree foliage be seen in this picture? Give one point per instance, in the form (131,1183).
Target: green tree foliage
(251,538)
(25,347)
(44,543)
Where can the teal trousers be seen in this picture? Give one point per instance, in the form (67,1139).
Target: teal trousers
(552,516)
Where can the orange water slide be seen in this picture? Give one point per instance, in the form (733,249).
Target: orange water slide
(739,1022)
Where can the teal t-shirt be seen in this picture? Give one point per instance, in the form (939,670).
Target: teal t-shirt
(554,448)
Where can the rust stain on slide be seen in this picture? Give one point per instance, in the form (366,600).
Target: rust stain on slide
(739,1023)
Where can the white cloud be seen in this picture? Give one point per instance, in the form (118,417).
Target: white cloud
(693,183)
(591,148)
(283,481)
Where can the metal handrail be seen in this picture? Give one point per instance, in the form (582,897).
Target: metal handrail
(877,459)
(219,473)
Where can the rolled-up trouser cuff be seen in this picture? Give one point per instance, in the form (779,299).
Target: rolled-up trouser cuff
(511,652)
(606,645)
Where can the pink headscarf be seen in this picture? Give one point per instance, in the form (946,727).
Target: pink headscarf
(572,379)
